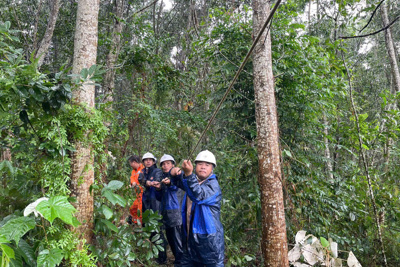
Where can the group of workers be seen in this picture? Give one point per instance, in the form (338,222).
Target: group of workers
(192,223)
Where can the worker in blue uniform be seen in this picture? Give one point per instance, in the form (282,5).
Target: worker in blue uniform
(167,194)
(203,234)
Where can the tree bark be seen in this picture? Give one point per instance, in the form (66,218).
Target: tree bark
(82,173)
(5,155)
(394,67)
(109,78)
(51,24)
(391,48)
(327,152)
(274,242)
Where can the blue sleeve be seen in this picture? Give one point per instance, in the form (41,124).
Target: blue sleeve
(196,192)
(172,187)
(177,181)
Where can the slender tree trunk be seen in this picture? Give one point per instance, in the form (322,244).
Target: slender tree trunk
(82,173)
(46,41)
(5,155)
(327,152)
(274,242)
(365,164)
(112,57)
(36,26)
(391,48)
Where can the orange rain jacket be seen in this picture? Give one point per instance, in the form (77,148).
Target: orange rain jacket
(136,209)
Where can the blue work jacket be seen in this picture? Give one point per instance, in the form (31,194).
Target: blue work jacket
(170,208)
(149,195)
(205,240)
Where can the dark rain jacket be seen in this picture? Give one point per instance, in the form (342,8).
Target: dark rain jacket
(205,240)
(170,208)
(149,195)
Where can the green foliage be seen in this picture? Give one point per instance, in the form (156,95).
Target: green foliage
(14,229)
(116,244)
(50,258)
(57,207)
(34,113)
(59,244)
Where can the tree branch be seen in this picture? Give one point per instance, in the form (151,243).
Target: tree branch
(372,33)
(373,14)
(149,5)
(364,159)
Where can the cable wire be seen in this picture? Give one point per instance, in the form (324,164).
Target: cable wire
(271,14)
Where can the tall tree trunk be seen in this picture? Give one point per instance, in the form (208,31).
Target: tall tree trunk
(274,242)
(327,151)
(391,48)
(51,24)
(82,173)
(109,78)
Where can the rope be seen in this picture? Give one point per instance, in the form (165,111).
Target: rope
(271,14)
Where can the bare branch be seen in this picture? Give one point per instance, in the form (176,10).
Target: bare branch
(146,7)
(45,43)
(373,14)
(372,33)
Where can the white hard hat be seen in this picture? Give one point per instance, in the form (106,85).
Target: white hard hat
(206,156)
(148,155)
(166,157)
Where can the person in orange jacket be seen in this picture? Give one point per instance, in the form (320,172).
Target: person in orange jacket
(136,209)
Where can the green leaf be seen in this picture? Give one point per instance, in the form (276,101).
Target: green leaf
(3,239)
(9,252)
(155,238)
(92,69)
(155,250)
(120,200)
(50,258)
(27,252)
(14,229)
(297,26)
(108,213)
(17,261)
(365,146)
(84,73)
(324,242)
(110,196)
(149,255)
(57,207)
(114,198)
(110,225)
(288,153)
(114,185)
(131,257)
(7,25)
